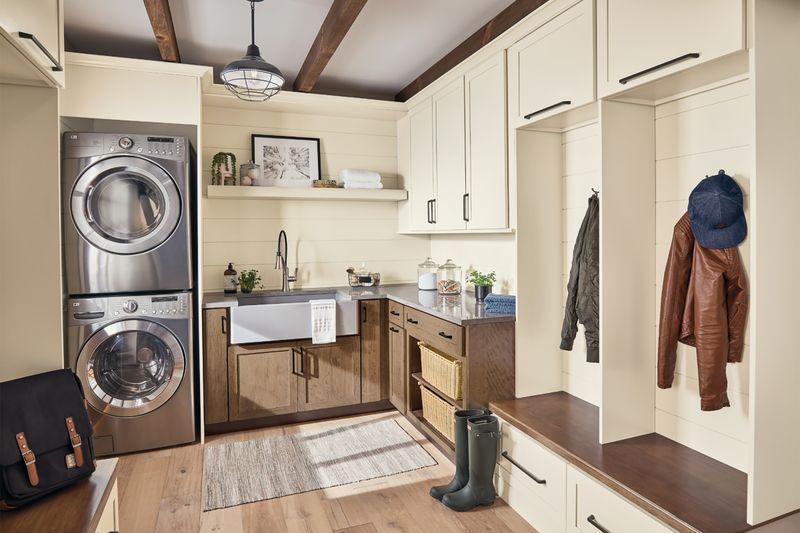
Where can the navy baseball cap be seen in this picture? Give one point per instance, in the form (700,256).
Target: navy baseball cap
(716,212)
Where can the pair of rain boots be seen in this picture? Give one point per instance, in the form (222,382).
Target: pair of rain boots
(477,438)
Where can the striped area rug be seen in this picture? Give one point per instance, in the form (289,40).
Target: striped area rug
(261,469)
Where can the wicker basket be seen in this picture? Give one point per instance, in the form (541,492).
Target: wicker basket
(442,371)
(438,413)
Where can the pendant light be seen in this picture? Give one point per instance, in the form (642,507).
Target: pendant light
(251,78)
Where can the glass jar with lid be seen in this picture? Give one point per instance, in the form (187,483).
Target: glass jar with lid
(250,174)
(448,279)
(426,275)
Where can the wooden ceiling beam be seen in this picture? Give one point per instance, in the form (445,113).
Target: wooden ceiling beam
(488,32)
(161,21)
(336,25)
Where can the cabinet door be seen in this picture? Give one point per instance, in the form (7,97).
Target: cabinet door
(331,374)
(420,183)
(44,20)
(215,365)
(486,198)
(450,157)
(552,69)
(262,380)
(398,374)
(636,35)
(374,351)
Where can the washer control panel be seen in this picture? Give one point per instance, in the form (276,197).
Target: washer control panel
(156,306)
(163,147)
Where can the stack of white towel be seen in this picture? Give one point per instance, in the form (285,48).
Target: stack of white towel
(354,178)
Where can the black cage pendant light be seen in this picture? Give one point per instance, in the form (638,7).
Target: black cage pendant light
(251,78)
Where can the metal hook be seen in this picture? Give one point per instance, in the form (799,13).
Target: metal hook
(595,192)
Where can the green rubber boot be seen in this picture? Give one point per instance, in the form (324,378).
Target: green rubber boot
(462,454)
(484,438)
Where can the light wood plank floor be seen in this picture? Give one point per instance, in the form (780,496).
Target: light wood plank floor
(161,491)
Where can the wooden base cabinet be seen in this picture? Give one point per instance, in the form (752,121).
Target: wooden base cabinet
(330,374)
(263,380)
(397,367)
(374,351)
(215,365)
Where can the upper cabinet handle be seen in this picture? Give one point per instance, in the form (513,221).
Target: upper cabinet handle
(464,206)
(524,470)
(592,520)
(548,108)
(56,65)
(665,64)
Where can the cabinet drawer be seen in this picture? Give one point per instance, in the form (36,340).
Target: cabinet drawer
(595,507)
(396,313)
(439,333)
(519,492)
(533,460)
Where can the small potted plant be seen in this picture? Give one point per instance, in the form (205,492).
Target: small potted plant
(223,169)
(483,283)
(248,280)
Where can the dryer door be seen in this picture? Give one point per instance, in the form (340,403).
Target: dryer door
(125,204)
(131,367)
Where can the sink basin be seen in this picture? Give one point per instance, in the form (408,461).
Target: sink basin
(277,316)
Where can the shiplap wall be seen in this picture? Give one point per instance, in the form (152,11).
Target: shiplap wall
(483,252)
(580,173)
(695,136)
(325,237)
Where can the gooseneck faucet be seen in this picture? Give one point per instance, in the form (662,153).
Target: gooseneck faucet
(282,262)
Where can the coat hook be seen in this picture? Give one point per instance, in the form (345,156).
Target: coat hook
(595,192)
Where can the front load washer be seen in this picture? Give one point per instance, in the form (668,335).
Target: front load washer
(126,213)
(133,355)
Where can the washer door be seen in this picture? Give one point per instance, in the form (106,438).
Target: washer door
(131,367)
(125,205)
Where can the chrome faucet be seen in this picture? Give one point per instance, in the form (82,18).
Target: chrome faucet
(282,262)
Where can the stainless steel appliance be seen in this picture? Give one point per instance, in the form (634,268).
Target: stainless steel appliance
(133,356)
(126,213)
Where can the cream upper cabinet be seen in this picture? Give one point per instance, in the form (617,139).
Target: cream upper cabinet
(552,69)
(643,40)
(420,180)
(485,202)
(449,157)
(35,28)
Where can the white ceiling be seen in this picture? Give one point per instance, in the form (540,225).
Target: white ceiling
(390,44)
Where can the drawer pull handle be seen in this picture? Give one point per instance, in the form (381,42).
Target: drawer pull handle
(394,313)
(592,520)
(412,321)
(445,335)
(524,470)
(56,65)
(665,64)
(394,330)
(548,108)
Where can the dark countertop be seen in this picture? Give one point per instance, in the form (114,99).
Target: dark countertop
(461,309)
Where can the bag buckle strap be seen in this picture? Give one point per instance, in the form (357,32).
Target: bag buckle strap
(28,457)
(75,440)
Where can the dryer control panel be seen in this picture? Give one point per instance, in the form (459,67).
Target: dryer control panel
(157,306)
(156,146)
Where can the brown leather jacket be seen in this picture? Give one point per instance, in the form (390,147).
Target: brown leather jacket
(703,304)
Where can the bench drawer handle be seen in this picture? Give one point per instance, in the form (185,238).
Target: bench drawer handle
(524,470)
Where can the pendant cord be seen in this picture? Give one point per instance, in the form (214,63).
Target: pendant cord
(252,22)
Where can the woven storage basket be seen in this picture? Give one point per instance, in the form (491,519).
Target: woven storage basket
(438,413)
(441,371)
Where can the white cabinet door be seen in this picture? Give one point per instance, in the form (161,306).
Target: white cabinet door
(552,69)
(486,197)
(635,36)
(450,157)
(421,184)
(42,19)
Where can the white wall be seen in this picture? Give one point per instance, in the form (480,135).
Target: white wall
(695,136)
(483,252)
(325,237)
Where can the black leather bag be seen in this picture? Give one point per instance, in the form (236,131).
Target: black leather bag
(45,437)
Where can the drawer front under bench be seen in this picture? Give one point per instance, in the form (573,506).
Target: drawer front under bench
(441,334)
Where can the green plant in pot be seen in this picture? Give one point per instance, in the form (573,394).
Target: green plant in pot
(223,169)
(248,280)
(483,283)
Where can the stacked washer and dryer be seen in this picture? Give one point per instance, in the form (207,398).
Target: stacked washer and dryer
(128,261)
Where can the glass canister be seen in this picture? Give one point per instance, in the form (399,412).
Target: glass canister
(426,275)
(249,174)
(448,279)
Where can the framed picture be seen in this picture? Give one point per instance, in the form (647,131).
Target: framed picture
(286,161)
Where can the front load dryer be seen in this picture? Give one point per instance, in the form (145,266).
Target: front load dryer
(133,355)
(126,213)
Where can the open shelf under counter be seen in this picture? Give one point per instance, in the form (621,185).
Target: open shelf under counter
(681,487)
(442,443)
(458,404)
(238,192)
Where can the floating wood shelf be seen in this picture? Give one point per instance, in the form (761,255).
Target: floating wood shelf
(307,193)
(452,401)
